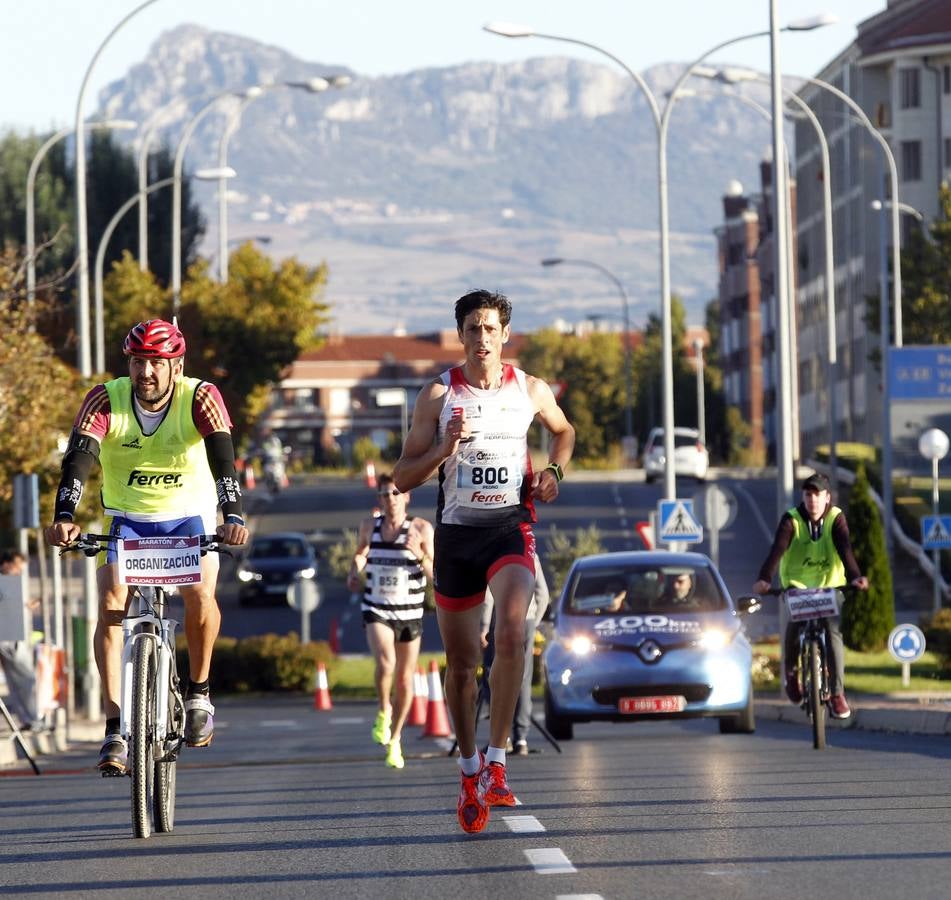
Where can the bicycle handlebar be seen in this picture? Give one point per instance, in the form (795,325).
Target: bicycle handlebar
(92,544)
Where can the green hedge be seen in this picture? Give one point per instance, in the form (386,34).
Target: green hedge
(938,636)
(266,662)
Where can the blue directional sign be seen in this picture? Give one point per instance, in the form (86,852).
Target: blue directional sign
(678,522)
(936,532)
(906,643)
(919,373)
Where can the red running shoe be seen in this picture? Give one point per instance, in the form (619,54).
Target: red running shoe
(472,809)
(494,787)
(839,707)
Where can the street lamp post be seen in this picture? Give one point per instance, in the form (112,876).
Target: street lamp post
(661,121)
(82,238)
(933,445)
(201,174)
(625,312)
(115,124)
(701,407)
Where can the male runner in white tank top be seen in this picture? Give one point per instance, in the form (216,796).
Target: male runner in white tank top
(470,426)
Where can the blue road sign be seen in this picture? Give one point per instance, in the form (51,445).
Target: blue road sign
(936,532)
(919,373)
(906,643)
(678,522)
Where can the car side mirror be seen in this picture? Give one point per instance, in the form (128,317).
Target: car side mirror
(747,604)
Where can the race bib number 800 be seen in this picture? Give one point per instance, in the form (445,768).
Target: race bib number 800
(488,486)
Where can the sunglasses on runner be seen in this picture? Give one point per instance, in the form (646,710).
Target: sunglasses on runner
(392,493)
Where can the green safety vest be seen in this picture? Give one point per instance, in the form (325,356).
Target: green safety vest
(809,563)
(164,472)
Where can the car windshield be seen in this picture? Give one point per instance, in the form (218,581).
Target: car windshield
(277,547)
(643,590)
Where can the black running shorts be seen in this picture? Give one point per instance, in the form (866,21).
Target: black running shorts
(404,631)
(468,556)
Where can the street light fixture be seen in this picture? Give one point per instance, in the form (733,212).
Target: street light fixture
(933,445)
(210,174)
(82,274)
(661,121)
(114,124)
(625,310)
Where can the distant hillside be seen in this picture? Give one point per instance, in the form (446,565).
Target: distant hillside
(417,187)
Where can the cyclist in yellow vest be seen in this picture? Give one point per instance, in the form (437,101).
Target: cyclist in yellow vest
(163,442)
(812,548)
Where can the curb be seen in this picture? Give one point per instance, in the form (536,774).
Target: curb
(908,718)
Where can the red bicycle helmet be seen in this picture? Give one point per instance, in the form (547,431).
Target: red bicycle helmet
(156,339)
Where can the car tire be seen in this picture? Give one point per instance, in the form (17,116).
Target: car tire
(742,723)
(560,728)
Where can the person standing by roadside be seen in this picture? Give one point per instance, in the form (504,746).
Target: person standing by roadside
(16,657)
(470,425)
(395,552)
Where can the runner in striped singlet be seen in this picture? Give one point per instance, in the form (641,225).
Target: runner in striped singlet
(395,552)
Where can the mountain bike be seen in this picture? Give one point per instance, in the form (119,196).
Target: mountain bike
(809,608)
(151,707)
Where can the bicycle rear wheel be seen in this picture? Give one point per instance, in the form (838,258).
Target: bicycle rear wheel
(165,768)
(142,732)
(817,708)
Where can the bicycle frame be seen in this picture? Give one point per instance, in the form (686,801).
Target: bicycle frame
(162,633)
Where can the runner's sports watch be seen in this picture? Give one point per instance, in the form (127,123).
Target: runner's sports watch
(554,467)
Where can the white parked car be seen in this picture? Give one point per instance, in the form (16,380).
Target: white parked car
(690,455)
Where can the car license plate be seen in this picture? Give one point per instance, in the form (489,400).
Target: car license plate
(651,704)
(276,589)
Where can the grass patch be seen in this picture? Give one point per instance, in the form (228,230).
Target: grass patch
(352,676)
(874,673)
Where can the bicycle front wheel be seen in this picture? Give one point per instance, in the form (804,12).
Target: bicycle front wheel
(165,768)
(817,708)
(142,732)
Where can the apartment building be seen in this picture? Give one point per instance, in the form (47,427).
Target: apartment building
(898,69)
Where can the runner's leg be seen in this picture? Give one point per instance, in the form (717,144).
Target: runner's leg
(407,654)
(382,640)
(460,637)
(512,587)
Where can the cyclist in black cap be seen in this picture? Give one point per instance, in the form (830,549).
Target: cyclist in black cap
(812,549)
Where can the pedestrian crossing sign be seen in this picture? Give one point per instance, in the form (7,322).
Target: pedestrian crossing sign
(936,532)
(678,522)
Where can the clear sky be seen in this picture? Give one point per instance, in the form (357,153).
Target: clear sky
(47,45)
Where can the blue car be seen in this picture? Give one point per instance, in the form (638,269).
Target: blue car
(648,635)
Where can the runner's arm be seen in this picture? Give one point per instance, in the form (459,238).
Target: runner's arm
(422,455)
(550,414)
(359,561)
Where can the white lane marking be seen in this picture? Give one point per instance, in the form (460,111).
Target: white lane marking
(279,723)
(550,861)
(523,824)
(344,720)
(756,513)
(579,897)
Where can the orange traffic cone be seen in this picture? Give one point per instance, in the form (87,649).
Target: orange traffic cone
(249,476)
(370,471)
(322,692)
(417,712)
(437,718)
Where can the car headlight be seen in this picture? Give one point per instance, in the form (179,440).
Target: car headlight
(714,639)
(247,575)
(580,645)
(309,572)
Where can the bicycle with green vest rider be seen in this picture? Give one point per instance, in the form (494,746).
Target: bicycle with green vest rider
(163,443)
(812,549)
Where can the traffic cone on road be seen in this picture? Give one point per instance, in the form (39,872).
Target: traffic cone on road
(322,691)
(437,718)
(249,476)
(417,712)
(370,472)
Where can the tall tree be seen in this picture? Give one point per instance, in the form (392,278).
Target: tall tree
(241,334)
(926,281)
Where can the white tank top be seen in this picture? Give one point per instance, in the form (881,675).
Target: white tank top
(486,481)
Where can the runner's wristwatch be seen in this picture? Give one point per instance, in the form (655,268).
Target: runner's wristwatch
(554,467)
